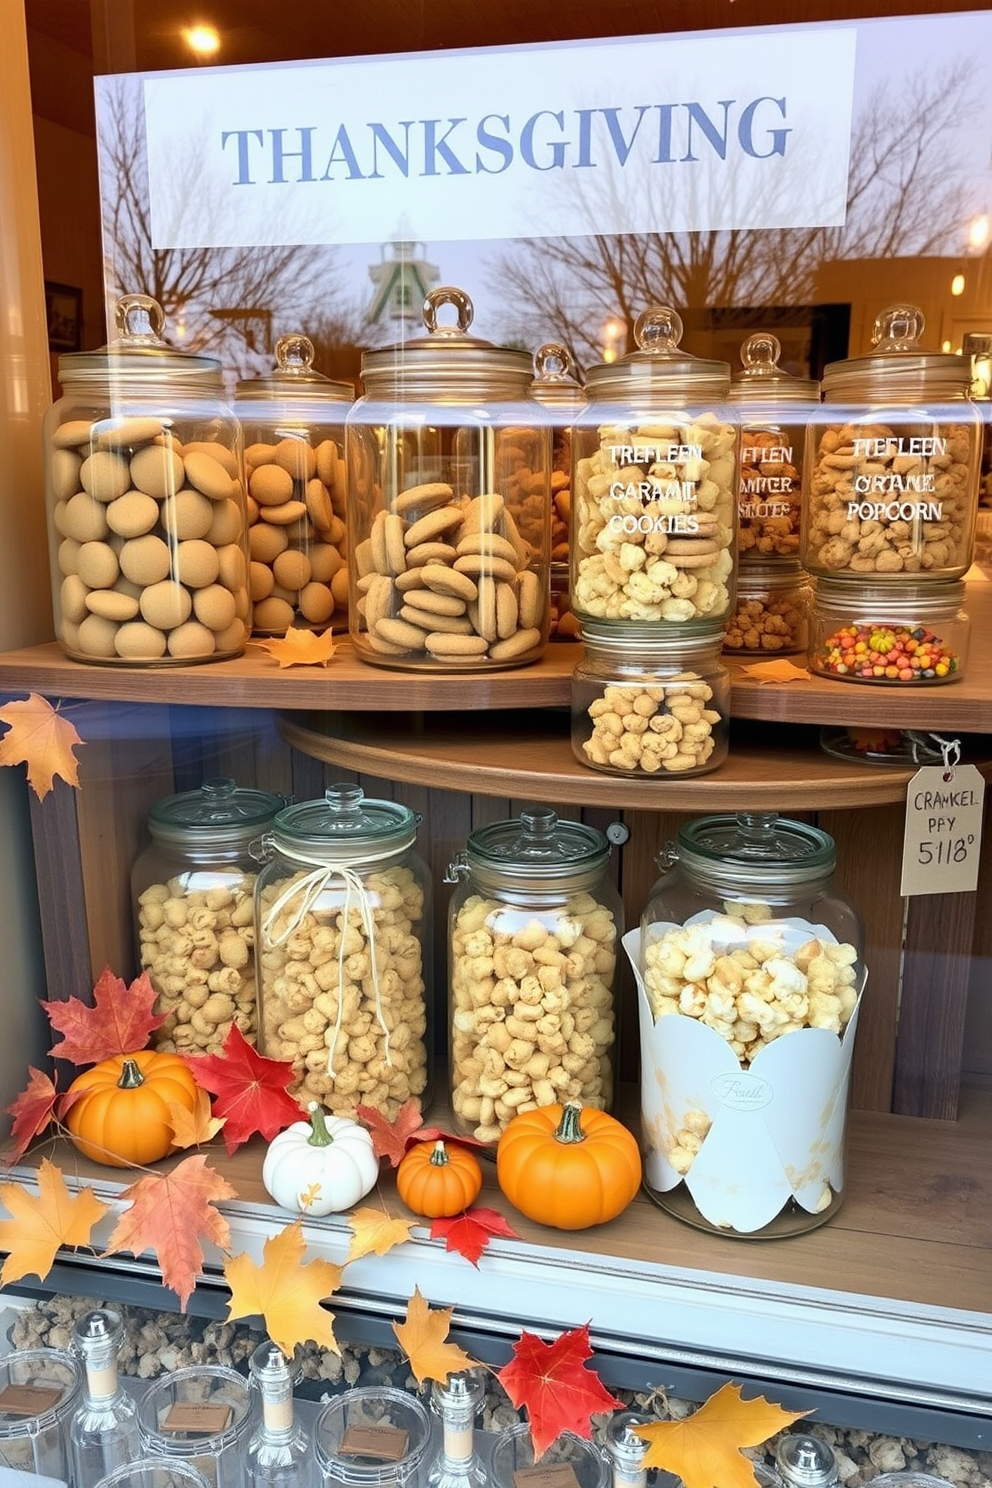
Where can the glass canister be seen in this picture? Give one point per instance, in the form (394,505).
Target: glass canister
(893,462)
(154,1472)
(915,635)
(564,397)
(371,1437)
(533,942)
(650,704)
(515,1465)
(199,1415)
(39,1391)
(449,464)
(146,510)
(192,891)
(292,422)
(343,930)
(775,408)
(654,487)
(749,967)
(771,615)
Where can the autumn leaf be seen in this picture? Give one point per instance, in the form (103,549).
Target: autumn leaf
(470,1233)
(285,1291)
(250,1091)
(193,1128)
(300,648)
(392,1138)
(422,1339)
(32,1111)
(703,1449)
(170,1215)
(374,1233)
(41,738)
(550,1381)
(119,1022)
(41,1223)
(776,671)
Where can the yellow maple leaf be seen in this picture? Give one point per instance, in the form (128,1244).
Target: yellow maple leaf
(193,1128)
(42,1222)
(374,1233)
(703,1449)
(285,1291)
(776,671)
(422,1339)
(41,738)
(300,647)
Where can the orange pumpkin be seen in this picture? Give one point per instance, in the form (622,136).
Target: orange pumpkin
(438,1181)
(122,1114)
(568,1166)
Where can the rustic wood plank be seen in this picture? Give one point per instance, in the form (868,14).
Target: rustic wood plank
(61,894)
(939,933)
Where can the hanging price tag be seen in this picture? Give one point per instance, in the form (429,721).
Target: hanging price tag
(943,836)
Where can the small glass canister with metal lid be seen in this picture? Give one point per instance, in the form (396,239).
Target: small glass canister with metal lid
(893,462)
(449,463)
(533,941)
(293,426)
(146,510)
(771,616)
(750,966)
(564,397)
(343,927)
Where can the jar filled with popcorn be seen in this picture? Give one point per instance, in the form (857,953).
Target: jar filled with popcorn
(654,486)
(564,397)
(893,462)
(343,928)
(750,969)
(192,890)
(293,426)
(449,467)
(771,614)
(533,943)
(146,511)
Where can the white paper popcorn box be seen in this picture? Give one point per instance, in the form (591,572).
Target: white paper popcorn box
(771,1133)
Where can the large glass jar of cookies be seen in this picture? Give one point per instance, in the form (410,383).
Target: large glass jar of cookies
(146,509)
(564,396)
(292,422)
(533,945)
(654,486)
(893,462)
(449,465)
(343,932)
(749,963)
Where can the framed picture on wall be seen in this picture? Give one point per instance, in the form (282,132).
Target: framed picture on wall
(64,311)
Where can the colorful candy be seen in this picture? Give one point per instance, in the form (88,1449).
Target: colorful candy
(886,653)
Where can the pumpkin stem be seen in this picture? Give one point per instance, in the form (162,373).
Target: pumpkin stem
(131,1076)
(439,1156)
(570,1128)
(319,1135)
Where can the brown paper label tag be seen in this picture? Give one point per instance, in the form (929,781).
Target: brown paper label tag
(197,1419)
(385,1442)
(550,1475)
(942,840)
(28,1400)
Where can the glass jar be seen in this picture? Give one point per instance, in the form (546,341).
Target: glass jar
(154,1472)
(371,1437)
(343,928)
(39,1391)
(654,486)
(513,1457)
(650,704)
(913,636)
(771,617)
(192,891)
(199,1415)
(564,397)
(775,408)
(749,964)
(146,511)
(458,1402)
(103,1433)
(278,1453)
(893,462)
(536,921)
(449,463)
(292,422)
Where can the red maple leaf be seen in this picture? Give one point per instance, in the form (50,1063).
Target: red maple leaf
(558,1392)
(469,1233)
(32,1111)
(392,1138)
(119,1022)
(250,1091)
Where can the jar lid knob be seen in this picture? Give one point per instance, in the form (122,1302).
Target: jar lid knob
(448,294)
(658,330)
(344,799)
(139,319)
(898,328)
(762,351)
(552,361)
(757,826)
(539,823)
(295,354)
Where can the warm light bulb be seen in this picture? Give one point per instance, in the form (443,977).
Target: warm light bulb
(203,40)
(957,284)
(945,346)
(978,230)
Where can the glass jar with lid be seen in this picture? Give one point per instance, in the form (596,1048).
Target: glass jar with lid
(646,703)
(449,465)
(199,1415)
(292,422)
(146,510)
(750,967)
(39,1393)
(564,397)
(893,462)
(912,636)
(775,407)
(771,615)
(192,891)
(514,1455)
(535,924)
(654,487)
(371,1437)
(343,927)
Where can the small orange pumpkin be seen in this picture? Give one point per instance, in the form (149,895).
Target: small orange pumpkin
(438,1181)
(122,1114)
(568,1166)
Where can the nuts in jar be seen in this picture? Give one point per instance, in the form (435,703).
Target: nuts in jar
(772,611)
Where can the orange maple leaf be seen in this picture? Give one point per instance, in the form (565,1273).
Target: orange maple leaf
(286,1292)
(193,1128)
(300,648)
(170,1214)
(119,1022)
(703,1449)
(32,1112)
(42,739)
(43,1222)
(776,671)
(422,1339)
(374,1233)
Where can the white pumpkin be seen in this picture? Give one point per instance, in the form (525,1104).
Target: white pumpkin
(321,1166)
